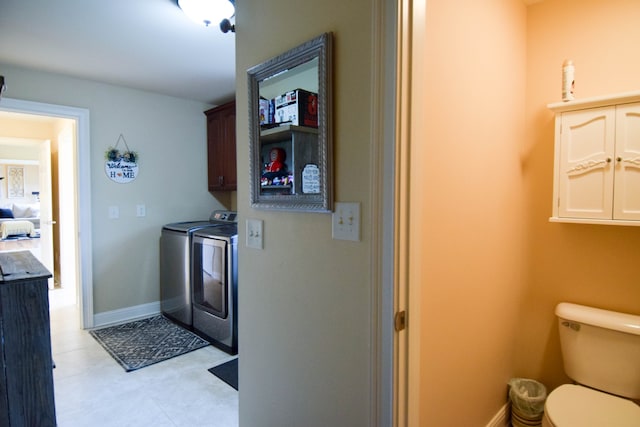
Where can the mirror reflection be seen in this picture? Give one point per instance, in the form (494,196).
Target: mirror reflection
(289,131)
(290,148)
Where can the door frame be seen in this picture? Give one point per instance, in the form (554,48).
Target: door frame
(83,177)
(410,65)
(384,350)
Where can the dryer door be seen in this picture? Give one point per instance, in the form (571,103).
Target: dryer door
(210,285)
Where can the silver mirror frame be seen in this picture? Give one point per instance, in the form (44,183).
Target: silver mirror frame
(321,48)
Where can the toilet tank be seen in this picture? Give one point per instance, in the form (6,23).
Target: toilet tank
(601,348)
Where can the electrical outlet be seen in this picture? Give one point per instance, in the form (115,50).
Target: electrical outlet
(141,210)
(345,221)
(254,233)
(114,212)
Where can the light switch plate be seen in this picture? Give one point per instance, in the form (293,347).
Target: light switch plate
(345,221)
(254,233)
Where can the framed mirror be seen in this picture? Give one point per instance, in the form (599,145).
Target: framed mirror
(290,131)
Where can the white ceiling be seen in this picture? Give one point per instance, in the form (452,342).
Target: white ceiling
(142,44)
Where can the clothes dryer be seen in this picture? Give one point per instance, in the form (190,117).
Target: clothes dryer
(215,285)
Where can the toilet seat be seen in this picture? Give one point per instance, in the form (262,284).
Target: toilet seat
(573,405)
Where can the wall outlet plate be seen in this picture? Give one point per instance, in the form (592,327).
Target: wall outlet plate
(345,221)
(114,212)
(254,233)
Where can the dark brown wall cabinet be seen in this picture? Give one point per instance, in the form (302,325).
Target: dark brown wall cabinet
(221,147)
(26,376)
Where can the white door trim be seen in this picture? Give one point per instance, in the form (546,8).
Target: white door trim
(83,214)
(383,113)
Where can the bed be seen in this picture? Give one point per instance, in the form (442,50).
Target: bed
(20,212)
(16,228)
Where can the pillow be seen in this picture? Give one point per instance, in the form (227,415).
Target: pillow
(6,213)
(20,211)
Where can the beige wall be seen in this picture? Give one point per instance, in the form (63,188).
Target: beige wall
(305,299)
(20,139)
(16,125)
(586,264)
(467,219)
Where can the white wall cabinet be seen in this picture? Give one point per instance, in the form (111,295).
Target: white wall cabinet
(597,160)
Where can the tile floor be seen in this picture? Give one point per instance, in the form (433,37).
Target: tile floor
(92,389)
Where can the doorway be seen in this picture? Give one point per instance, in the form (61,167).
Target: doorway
(72,160)
(25,168)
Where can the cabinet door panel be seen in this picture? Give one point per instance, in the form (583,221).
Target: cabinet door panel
(230,168)
(627,163)
(215,151)
(586,167)
(221,147)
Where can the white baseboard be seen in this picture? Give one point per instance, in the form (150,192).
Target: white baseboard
(501,419)
(126,314)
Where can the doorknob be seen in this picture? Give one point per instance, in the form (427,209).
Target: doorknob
(400,321)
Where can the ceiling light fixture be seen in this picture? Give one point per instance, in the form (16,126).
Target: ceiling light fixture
(226,26)
(206,12)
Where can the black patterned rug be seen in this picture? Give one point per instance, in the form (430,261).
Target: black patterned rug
(144,342)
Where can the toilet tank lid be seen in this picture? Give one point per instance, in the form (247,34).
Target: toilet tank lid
(623,322)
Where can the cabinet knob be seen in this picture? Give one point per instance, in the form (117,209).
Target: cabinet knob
(608,159)
(619,159)
(220,180)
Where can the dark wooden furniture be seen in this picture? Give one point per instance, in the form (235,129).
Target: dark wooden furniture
(26,376)
(221,147)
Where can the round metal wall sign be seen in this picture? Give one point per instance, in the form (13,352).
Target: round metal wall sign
(121,171)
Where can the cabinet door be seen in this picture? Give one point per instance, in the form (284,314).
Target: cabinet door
(230,167)
(627,163)
(26,350)
(213,134)
(586,163)
(221,147)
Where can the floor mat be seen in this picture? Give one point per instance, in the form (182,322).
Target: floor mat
(227,372)
(144,342)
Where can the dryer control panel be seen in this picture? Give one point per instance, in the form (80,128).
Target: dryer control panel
(226,216)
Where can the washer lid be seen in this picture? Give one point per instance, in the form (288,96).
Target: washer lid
(187,226)
(572,405)
(219,231)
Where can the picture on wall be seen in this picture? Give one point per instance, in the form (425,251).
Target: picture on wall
(15,182)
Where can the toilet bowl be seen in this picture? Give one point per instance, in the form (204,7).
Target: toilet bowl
(575,405)
(601,353)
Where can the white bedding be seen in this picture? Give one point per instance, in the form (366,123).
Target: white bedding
(11,228)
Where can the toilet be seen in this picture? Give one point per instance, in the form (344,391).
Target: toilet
(601,353)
